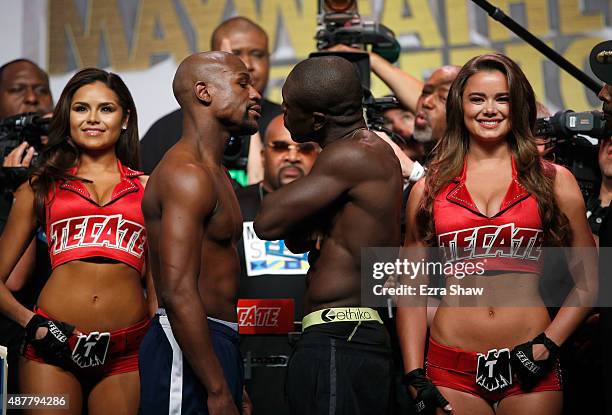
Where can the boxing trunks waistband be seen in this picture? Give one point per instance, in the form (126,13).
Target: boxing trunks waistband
(234,326)
(121,341)
(340,315)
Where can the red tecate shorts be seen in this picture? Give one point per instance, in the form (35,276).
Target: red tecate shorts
(456,369)
(121,356)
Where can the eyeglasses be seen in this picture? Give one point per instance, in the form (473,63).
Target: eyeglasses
(303,148)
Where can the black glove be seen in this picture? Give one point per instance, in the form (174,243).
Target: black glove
(54,346)
(528,370)
(428,397)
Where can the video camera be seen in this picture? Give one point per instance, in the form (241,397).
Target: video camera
(575,135)
(374,112)
(567,124)
(574,141)
(30,127)
(236,152)
(340,23)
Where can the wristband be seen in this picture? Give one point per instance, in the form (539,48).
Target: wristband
(552,347)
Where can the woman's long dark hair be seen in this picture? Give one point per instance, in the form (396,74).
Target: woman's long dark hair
(535,174)
(61,153)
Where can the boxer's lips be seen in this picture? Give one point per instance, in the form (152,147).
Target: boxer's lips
(255,109)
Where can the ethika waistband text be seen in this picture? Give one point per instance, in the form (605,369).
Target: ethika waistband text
(339,315)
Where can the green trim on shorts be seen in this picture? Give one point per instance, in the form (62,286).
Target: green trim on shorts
(340,315)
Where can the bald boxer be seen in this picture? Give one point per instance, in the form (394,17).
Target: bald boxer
(351,199)
(190,361)
(249,42)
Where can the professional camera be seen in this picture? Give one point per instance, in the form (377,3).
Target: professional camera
(340,23)
(30,127)
(236,152)
(374,112)
(566,124)
(574,142)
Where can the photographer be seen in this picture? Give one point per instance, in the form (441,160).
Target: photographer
(24,87)
(603,72)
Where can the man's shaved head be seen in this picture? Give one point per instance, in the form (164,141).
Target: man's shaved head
(220,82)
(447,72)
(326,84)
(233,25)
(205,67)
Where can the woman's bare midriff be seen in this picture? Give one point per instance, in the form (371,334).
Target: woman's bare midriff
(512,313)
(94,296)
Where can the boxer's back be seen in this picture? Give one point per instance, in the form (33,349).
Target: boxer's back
(367,215)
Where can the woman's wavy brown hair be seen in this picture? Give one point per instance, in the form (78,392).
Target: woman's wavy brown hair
(61,153)
(535,174)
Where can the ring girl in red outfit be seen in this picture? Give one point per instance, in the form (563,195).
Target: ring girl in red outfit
(488,197)
(83,336)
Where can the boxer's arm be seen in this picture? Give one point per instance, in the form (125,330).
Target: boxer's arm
(152,304)
(333,175)
(188,198)
(302,239)
(582,261)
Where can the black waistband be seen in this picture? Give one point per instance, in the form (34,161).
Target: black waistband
(364,334)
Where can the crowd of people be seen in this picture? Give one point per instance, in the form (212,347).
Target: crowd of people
(119,289)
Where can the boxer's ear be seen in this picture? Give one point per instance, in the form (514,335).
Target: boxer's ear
(202,92)
(319,120)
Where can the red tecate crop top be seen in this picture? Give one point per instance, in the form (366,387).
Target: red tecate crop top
(509,241)
(77,227)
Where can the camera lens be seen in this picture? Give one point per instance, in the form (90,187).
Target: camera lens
(233,147)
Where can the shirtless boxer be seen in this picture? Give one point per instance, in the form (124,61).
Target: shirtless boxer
(351,199)
(190,360)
